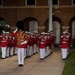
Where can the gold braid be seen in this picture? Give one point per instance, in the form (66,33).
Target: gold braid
(20,37)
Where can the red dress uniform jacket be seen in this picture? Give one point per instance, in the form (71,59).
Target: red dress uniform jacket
(48,41)
(13,42)
(35,39)
(18,34)
(4,41)
(31,41)
(64,42)
(42,43)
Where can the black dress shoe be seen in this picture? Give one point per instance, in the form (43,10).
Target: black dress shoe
(64,59)
(7,57)
(41,58)
(3,58)
(10,55)
(15,54)
(20,64)
(51,52)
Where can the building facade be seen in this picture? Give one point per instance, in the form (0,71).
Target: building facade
(35,15)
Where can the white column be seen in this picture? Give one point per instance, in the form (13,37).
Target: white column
(50,16)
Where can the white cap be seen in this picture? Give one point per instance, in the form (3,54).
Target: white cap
(64,32)
(42,32)
(35,31)
(46,33)
(26,31)
(31,33)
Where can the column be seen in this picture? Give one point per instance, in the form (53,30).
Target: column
(50,16)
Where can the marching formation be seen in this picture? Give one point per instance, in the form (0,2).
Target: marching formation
(25,44)
(46,41)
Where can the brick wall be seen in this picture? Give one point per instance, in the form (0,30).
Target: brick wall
(9,15)
(42,2)
(9,2)
(12,15)
(65,2)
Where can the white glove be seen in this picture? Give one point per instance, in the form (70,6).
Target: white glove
(15,30)
(24,42)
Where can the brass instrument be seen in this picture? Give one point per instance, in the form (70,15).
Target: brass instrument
(20,37)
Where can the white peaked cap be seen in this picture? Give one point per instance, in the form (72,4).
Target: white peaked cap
(64,32)
(45,33)
(42,32)
(35,31)
(26,31)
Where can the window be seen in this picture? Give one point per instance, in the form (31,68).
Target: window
(73,2)
(55,2)
(1,2)
(30,2)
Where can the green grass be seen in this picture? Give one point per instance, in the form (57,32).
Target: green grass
(69,68)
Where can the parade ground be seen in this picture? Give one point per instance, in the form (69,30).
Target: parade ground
(52,65)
